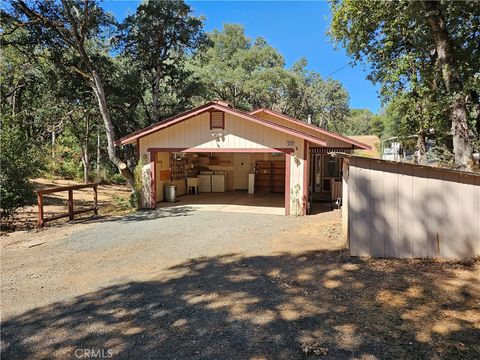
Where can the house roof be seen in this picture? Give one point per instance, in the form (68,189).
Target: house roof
(317,129)
(316,139)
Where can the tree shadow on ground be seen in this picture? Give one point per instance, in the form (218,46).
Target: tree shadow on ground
(266,307)
(147,214)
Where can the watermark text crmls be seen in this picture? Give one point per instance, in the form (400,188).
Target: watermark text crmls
(93,353)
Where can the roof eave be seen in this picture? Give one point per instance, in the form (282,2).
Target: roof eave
(356,144)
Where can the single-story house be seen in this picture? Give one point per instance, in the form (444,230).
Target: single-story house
(261,151)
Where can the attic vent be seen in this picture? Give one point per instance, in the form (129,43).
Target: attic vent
(217,120)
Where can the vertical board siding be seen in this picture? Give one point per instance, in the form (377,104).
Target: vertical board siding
(364,208)
(450,216)
(406,211)
(391,210)
(377,220)
(239,133)
(466,220)
(420,212)
(345,203)
(353,207)
(435,212)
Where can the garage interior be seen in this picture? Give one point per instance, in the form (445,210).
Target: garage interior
(244,182)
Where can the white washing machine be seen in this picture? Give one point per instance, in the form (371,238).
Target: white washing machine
(204,182)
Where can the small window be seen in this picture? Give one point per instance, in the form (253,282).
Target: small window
(217,120)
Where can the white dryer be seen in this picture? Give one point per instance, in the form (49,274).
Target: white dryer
(218,181)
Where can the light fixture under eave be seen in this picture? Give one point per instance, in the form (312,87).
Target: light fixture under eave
(217,136)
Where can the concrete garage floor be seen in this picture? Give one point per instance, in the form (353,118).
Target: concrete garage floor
(179,283)
(231,201)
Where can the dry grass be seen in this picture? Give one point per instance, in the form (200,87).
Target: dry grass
(371,140)
(112,200)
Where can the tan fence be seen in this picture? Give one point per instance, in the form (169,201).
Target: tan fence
(410,211)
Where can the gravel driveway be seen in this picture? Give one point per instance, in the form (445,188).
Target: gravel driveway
(178,283)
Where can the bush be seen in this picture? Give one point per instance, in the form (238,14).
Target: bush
(17,164)
(67,162)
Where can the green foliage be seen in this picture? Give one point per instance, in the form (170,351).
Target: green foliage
(397,40)
(17,164)
(251,74)
(156,40)
(233,67)
(364,122)
(139,184)
(124,203)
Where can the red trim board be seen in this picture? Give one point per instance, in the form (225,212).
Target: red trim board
(306,167)
(187,115)
(221,150)
(288,160)
(153,183)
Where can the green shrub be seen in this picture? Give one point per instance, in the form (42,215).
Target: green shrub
(123,203)
(67,162)
(17,163)
(116,178)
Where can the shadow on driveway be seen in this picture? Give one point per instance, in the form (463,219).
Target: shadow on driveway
(144,215)
(259,307)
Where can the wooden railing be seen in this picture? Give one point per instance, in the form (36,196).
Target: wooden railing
(71,213)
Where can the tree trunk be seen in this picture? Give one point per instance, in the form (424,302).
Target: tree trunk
(98,153)
(97,87)
(476,109)
(53,144)
(462,148)
(421,148)
(85,161)
(156,95)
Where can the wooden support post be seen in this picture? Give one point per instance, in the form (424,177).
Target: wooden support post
(95,199)
(40,210)
(71,213)
(70,204)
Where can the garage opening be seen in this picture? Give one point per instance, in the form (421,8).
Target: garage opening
(227,181)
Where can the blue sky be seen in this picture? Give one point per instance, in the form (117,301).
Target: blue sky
(295,29)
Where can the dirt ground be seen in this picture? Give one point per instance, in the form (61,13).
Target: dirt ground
(111,201)
(178,283)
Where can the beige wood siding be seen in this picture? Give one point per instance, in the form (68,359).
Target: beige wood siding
(239,133)
(407,211)
(331,142)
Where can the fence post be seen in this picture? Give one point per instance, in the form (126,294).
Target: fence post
(40,209)
(95,199)
(70,204)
